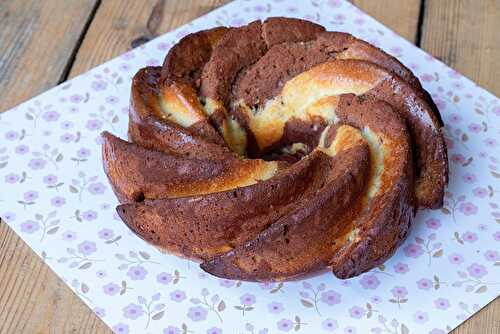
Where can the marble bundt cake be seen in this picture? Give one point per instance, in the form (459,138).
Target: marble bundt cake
(276,150)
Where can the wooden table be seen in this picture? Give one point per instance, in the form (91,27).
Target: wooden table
(44,43)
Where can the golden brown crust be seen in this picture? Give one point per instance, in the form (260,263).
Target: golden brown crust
(354,146)
(387,216)
(201,227)
(136,172)
(277,30)
(356,235)
(198,46)
(237,49)
(302,241)
(148,125)
(430,152)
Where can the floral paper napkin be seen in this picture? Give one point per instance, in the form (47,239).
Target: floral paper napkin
(56,197)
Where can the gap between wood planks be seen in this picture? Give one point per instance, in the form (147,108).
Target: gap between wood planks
(420,23)
(152,25)
(76,47)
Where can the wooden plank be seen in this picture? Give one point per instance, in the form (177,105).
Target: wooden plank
(116,26)
(36,47)
(400,16)
(465,35)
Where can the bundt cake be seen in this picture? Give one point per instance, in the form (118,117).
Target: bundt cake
(276,150)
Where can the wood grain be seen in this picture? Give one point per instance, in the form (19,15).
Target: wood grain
(36,47)
(32,298)
(115,26)
(465,35)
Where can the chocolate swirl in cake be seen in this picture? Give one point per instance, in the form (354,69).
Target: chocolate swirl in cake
(276,150)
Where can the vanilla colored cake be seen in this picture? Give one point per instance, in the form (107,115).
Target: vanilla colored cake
(276,150)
